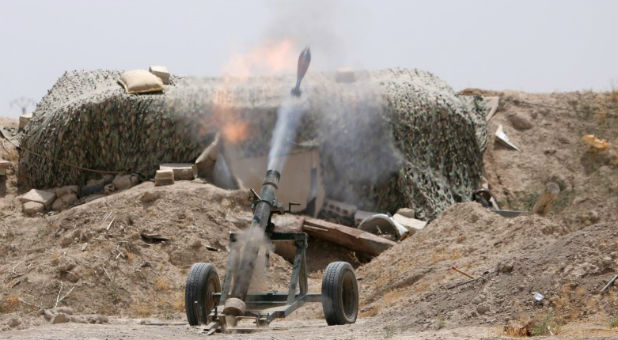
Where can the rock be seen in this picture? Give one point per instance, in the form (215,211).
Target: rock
(134,180)
(64,309)
(13,322)
(520,122)
(60,318)
(122,182)
(593,216)
(182,171)
(504,267)
(65,190)
(150,196)
(559,179)
(108,189)
(40,196)
(65,242)
(69,199)
(482,309)
(58,205)
(32,208)
(98,319)
(47,314)
(78,319)
(164,177)
(102,319)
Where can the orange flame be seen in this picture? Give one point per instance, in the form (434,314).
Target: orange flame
(267,59)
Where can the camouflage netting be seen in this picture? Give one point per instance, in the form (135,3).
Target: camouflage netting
(392,138)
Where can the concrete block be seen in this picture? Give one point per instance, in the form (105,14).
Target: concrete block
(339,208)
(164,177)
(40,196)
(182,171)
(32,208)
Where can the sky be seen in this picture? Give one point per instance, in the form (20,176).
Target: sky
(535,46)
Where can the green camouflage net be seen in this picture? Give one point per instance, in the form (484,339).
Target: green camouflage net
(390,139)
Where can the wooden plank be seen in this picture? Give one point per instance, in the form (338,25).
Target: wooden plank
(351,238)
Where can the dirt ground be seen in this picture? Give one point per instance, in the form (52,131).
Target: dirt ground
(120,284)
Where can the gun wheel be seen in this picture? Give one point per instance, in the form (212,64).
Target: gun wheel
(202,282)
(339,294)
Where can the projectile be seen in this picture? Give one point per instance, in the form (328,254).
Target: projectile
(303,64)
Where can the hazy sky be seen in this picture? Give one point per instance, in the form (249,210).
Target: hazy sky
(525,45)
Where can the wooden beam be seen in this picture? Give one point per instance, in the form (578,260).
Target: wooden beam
(351,238)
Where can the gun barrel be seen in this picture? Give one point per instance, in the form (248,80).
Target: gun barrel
(262,212)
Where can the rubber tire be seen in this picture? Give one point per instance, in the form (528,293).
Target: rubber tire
(202,281)
(339,294)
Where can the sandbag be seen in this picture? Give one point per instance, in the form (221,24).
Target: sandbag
(140,81)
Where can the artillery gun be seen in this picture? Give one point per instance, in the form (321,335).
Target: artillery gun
(220,307)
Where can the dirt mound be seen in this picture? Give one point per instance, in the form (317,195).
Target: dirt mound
(124,254)
(566,256)
(412,285)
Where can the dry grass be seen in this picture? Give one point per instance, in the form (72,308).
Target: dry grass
(515,331)
(394,296)
(179,302)
(9,303)
(162,284)
(545,325)
(443,254)
(54,259)
(420,287)
(142,309)
(370,312)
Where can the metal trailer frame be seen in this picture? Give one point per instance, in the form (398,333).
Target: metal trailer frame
(265,307)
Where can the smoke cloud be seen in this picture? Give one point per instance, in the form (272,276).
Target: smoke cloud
(288,116)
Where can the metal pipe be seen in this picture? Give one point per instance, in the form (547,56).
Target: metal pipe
(263,209)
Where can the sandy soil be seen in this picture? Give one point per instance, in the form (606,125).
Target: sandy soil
(121,283)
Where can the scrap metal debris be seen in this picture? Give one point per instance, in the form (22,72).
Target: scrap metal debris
(153,238)
(504,139)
